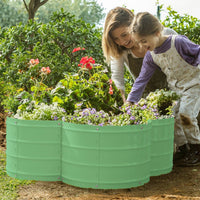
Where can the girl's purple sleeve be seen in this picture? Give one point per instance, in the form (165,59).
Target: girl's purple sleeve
(147,71)
(188,50)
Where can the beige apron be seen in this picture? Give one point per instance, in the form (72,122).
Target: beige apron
(184,79)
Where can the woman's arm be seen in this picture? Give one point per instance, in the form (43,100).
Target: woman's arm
(117,72)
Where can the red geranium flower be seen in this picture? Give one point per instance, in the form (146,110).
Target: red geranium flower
(110,90)
(77,49)
(86,62)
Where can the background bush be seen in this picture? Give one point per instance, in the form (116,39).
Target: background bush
(183,24)
(51,43)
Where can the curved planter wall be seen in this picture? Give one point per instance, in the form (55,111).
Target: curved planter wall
(108,157)
(33,149)
(105,157)
(162,146)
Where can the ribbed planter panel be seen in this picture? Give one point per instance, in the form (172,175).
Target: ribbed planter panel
(108,157)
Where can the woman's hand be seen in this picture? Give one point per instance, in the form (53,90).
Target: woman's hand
(123,95)
(129,103)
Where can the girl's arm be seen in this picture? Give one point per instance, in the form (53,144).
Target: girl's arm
(147,71)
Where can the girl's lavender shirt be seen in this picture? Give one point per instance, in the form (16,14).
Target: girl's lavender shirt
(188,50)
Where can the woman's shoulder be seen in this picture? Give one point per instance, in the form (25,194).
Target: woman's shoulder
(169,31)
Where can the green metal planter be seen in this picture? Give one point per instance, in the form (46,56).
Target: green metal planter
(107,157)
(162,143)
(33,149)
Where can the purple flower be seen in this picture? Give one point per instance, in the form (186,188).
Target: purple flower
(127,108)
(132,118)
(85,113)
(144,107)
(129,112)
(101,124)
(93,111)
(55,118)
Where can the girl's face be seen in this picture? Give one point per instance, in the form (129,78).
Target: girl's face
(149,42)
(123,37)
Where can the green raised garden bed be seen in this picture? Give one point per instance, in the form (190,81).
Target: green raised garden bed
(108,157)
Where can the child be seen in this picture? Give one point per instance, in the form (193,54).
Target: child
(120,50)
(179,59)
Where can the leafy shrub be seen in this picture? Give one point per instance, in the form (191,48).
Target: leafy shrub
(91,86)
(183,24)
(93,92)
(51,43)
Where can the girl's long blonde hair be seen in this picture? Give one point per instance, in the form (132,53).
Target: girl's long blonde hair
(117,17)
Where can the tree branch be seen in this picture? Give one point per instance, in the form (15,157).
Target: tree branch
(43,2)
(26,5)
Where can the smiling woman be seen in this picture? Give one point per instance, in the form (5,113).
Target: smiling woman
(121,50)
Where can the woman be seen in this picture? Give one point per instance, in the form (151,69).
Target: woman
(120,49)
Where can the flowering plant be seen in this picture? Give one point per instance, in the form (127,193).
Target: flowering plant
(163,100)
(42,112)
(39,92)
(139,113)
(129,115)
(88,99)
(91,86)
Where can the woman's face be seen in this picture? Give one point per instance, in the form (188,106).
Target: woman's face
(123,37)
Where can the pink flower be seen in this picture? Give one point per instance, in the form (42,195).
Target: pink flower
(34,61)
(45,70)
(48,70)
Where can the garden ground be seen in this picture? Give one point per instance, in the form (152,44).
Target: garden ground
(181,183)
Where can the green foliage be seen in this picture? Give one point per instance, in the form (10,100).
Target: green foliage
(92,92)
(140,113)
(8,186)
(11,14)
(162,100)
(183,24)
(89,87)
(128,79)
(87,10)
(14,11)
(51,43)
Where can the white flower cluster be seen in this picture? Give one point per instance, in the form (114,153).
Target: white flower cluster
(42,112)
